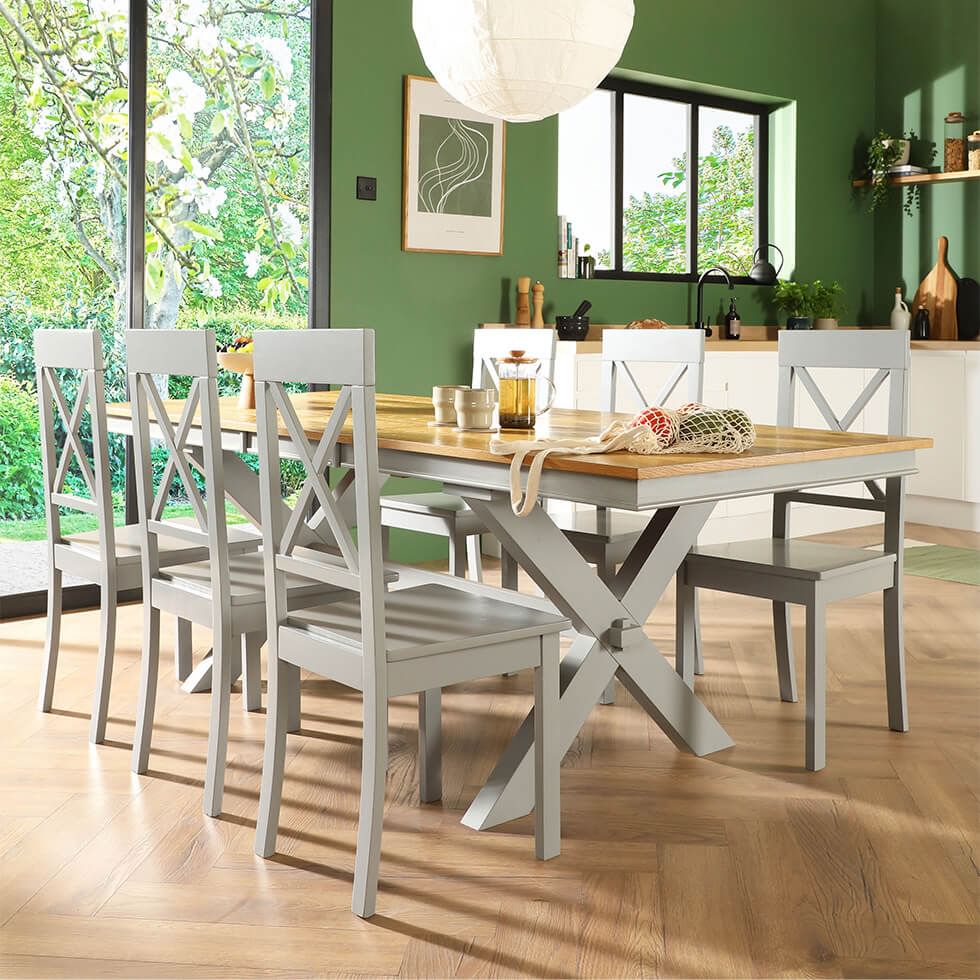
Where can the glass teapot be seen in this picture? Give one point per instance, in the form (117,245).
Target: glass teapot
(518,377)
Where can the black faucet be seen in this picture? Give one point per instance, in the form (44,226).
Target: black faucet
(699,323)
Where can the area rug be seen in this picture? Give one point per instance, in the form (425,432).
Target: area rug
(943,562)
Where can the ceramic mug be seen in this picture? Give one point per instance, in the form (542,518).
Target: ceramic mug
(474,407)
(444,402)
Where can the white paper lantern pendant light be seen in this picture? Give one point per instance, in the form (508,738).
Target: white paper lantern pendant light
(521,60)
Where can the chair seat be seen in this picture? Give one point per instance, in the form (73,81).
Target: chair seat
(792,558)
(428,620)
(610,526)
(247,580)
(173,551)
(442,506)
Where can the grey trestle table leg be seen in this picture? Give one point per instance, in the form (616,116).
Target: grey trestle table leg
(609,619)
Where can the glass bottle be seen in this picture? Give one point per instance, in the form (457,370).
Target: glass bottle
(733,323)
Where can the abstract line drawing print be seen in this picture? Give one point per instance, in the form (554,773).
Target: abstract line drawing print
(455,166)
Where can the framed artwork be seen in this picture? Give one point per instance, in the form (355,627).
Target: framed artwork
(453,190)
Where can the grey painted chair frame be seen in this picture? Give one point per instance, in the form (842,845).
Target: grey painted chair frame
(888,354)
(81,350)
(620,348)
(364,661)
(459,524)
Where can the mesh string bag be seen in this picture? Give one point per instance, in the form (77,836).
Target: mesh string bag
(693,428)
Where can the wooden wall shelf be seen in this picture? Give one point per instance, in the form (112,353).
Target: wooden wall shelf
(926,178)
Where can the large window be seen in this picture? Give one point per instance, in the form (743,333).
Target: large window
(664,184)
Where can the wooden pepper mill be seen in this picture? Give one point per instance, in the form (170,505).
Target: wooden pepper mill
(523,304)
(538,320)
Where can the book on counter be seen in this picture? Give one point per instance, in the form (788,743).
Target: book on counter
(567,249)
(907,170)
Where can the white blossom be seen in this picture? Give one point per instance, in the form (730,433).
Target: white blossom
(279,54)
(289,227)
(209,287)
(253,261)
(186,95)
(204,39)
(209,199)
(164,142)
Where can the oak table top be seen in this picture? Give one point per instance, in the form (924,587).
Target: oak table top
(404,424)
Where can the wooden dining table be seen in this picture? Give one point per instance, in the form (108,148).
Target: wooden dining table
(679,492)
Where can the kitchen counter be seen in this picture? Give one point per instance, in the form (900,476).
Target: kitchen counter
(754,338)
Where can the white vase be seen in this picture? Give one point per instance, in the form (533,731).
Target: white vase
(901,315)
(905,148)
(825,323)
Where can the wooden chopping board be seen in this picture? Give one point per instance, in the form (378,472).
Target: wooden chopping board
(937,293)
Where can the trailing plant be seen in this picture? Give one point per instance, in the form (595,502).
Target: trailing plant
(884,152)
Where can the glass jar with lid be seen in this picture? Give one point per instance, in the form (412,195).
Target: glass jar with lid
(973,150)
(954,144)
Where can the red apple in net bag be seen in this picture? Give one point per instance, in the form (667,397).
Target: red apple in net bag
(662,423)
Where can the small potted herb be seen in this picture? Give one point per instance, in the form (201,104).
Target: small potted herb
(795,300)
(826,304)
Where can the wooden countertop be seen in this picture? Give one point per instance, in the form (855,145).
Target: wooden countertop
(404,424)
(754,338)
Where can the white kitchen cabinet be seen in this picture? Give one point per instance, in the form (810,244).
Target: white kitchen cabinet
(944,404)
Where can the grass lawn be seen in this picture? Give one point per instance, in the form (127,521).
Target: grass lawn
(73,523)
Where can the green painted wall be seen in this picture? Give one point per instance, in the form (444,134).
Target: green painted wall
(928,64)
(821,56)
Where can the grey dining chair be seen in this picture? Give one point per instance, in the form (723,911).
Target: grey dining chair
(109,556)
(223,591)
(810,573)
(418,639)
(445,514)
(605,537)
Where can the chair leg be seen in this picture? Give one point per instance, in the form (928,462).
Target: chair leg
(291,694)
(607,572)
(53,639)
(782,625)
(274,760)
(508,571)
(184,650)
(474,559)
(816,684)
(547,754)
(214,775)
(252,671)
(374,754)
(149,674)
(685,661)
(107,650)
(698,648)
(893,609)
(430,745)
(457,555)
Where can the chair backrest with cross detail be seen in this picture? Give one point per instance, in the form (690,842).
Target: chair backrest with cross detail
(681,352)
(342,358)
(78,351)
(884,352)
(192,443)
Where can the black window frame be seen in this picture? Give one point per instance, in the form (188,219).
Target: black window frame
(694,101)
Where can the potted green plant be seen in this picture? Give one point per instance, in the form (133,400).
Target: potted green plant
(795,300)
(826,304)
(885,152)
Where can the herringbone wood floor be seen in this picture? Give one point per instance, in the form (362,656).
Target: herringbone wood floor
(740,864)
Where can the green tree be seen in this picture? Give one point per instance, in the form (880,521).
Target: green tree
(220,99)
(39,254)
(655,224)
